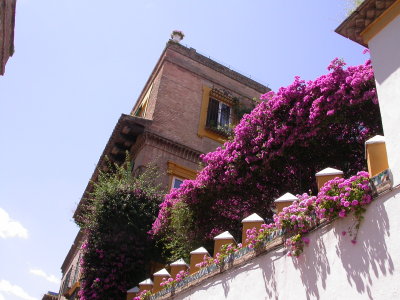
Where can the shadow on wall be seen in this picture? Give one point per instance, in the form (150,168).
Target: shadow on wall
(370,256)
(313,264)
(267,266)
(362,263)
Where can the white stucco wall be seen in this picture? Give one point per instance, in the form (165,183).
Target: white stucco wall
(331,267)
(385,54)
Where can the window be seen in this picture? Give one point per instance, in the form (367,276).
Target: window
(66,284)
(178,174)
(219,116)
(216,116)
(142,108)
(176,182)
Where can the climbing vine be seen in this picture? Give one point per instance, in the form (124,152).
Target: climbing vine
(278,147)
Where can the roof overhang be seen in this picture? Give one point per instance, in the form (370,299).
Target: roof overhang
(124,135)
(368,14)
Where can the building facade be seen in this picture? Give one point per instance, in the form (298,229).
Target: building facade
(376,24)
(7,24)
(187,107)
(335,264)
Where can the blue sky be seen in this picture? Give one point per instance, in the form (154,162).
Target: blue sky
(79,64)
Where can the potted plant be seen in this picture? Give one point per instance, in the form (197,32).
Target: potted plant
(177,36)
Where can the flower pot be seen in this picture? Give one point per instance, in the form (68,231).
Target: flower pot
(176,37)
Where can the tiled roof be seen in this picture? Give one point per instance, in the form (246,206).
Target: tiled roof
(364,15)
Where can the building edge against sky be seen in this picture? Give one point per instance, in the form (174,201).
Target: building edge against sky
(7,21)
(185,108)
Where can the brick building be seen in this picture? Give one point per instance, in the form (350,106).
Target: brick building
(186,108)
(7,23)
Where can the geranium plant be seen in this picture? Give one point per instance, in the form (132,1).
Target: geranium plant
(143,295)
(171,282)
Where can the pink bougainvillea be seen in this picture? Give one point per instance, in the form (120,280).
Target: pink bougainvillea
(339,197)
(278,147)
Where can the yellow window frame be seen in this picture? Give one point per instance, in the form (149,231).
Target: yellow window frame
(217,95)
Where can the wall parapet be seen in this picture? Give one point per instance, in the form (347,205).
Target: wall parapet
(323,259)
(235,260)
(285,231)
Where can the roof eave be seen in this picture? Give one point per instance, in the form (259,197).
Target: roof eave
(129,128)
(364,15)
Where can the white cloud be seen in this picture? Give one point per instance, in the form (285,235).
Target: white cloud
(11,228)
(7,288)
(2,297)
(41,273)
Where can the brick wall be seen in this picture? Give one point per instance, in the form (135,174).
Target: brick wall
(178,101)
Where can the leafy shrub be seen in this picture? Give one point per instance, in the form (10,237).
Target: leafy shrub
(117,249)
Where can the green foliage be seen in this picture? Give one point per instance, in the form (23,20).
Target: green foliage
(118,216)
(240,109)
(353,5)
(176,245)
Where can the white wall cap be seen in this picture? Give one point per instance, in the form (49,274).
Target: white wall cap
(200,250)
(375,140)
(253,218)
(135,289)
(146,282)
(224,236)
(288,197)
(329,171)
(162,272)
(179,262)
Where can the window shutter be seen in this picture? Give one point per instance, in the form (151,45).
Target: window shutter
(212,113)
